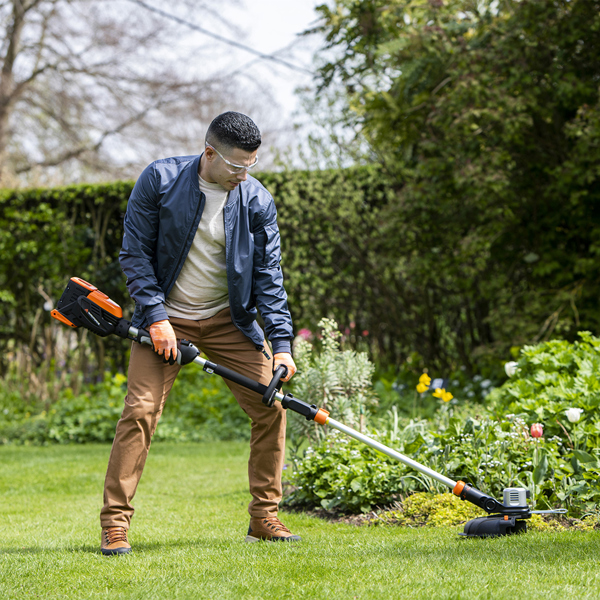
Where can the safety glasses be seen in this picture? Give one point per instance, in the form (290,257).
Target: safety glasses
(232,168)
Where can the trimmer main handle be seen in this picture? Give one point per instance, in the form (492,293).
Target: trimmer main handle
(125,330)
(188,353)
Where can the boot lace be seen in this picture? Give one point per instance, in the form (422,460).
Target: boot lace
(275,524)
(115,534)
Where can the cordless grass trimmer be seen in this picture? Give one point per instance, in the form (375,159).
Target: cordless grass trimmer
(83,305)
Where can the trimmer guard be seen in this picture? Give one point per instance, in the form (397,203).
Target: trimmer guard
(494,526)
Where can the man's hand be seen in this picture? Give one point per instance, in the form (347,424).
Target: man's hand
(164,339)
(285,358)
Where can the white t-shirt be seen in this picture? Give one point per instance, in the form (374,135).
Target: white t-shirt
(201,290)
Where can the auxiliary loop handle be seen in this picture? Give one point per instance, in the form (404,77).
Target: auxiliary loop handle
(275,385)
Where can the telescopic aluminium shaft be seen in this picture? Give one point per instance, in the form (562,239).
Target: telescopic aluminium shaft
(390,452)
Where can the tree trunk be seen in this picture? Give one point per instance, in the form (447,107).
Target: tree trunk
(7,80)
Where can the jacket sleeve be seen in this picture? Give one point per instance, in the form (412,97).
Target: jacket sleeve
(137,256)
(269,292)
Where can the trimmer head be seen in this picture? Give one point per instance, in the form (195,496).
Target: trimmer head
(494,526)
(506,518)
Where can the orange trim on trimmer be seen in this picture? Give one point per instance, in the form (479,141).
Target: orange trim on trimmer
(84,283)
(321,416)
(54,313)
(458,488)
(103,301)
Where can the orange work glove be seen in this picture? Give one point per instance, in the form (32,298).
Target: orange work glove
(285,358)
(164,339)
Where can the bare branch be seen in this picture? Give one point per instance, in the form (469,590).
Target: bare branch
(76,152)
(85,83)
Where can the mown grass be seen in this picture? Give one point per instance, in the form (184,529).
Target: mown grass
(188,541)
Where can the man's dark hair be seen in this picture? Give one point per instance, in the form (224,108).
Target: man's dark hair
(233,130)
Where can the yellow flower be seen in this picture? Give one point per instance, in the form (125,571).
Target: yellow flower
(447,396)
(443,394)
(422,388)
(425,379)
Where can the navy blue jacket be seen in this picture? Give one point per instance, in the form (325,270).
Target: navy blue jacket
(162,217)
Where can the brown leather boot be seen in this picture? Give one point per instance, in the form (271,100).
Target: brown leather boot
(270,529)
(114,541)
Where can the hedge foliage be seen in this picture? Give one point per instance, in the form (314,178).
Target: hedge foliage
(340,260)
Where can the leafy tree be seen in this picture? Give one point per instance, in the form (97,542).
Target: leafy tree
(486,117)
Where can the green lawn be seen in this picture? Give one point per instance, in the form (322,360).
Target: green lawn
(188,541)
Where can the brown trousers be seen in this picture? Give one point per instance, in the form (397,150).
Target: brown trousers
(149,383)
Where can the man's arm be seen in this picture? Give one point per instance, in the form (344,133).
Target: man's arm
(270,294)
(137,252)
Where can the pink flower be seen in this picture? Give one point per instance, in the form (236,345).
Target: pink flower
(305,334)
(365,333)
(352,324)
(537,430)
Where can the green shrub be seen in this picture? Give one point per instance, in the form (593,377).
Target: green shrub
(343,475)
(88,416)
(332,378)
(348,476)
(492,448)
(429,510)
(552,378)
(425,509)
(199,408)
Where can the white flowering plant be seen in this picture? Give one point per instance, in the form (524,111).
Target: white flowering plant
(333,378)
(557,383)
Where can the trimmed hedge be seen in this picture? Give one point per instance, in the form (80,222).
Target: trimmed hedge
(341,259)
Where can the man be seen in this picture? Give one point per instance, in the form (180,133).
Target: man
(201,255)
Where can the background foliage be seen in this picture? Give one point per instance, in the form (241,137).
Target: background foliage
(486,444)
(342,258)
(485,117)
(473,231)
(335,379)
(199,408)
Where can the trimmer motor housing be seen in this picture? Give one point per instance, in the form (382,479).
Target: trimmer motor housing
(515,497)
(84,305)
